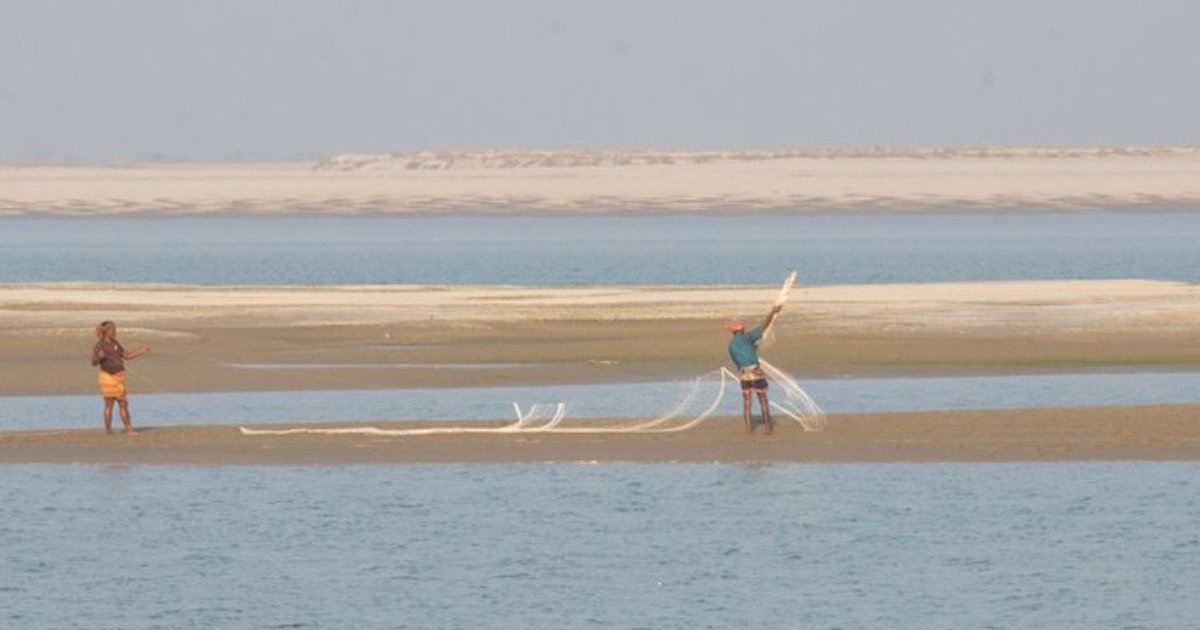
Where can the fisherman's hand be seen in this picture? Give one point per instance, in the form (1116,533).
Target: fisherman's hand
(777,308)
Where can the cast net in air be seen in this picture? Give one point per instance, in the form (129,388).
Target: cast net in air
(781,298)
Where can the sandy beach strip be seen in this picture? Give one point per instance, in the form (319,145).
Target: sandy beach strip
(1156,432)
(498,181)
(209,339)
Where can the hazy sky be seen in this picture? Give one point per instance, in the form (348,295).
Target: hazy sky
(103,81)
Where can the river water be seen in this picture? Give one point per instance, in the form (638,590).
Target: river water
(524,547)
(621,249)
(527,546)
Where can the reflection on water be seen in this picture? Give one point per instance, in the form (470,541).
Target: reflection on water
(604,400)
(658,249)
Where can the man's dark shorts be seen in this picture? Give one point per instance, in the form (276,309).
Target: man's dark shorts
(753,379)
(758,385)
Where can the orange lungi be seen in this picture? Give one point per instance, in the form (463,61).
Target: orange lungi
(112,385)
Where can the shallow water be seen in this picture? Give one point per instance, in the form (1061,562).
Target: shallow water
(621,249)
(603,400)
(927,546)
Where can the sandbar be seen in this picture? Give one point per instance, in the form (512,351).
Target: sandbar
(956,179)
(212,339)
(1137,433)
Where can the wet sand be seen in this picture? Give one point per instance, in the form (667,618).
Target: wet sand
(1156,432)
(206,338)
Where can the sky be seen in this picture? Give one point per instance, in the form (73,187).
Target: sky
(111,81)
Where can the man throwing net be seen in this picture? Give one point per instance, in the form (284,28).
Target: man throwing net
(743,349)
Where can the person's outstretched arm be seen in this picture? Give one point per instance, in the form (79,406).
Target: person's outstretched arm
(771,317)
(136,353)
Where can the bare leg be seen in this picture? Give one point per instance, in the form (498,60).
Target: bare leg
(108,405)
(768,424)
(125,420)
(746,410)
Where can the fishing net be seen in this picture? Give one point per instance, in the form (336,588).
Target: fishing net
(794,402)
(540,417)
(700,398)
(697,400)
(768,337)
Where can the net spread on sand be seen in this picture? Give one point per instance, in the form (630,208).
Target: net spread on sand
(701,398)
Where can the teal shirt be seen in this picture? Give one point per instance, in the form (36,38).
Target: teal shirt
(743,347)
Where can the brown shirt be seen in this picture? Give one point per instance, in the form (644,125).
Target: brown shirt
(113,361)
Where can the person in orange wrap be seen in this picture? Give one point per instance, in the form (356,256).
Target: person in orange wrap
(109,356)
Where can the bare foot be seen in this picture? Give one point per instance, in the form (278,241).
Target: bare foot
(130,432)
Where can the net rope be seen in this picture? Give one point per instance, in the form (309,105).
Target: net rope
(702,397)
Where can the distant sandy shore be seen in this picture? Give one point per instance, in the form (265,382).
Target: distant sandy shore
(356,337)
(1160,432)
(960,179)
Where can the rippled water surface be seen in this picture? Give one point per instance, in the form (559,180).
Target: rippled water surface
(1095,546)
(623,249)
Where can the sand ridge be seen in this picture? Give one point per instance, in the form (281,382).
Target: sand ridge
(201,335)
(1015,305)
(500,181)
